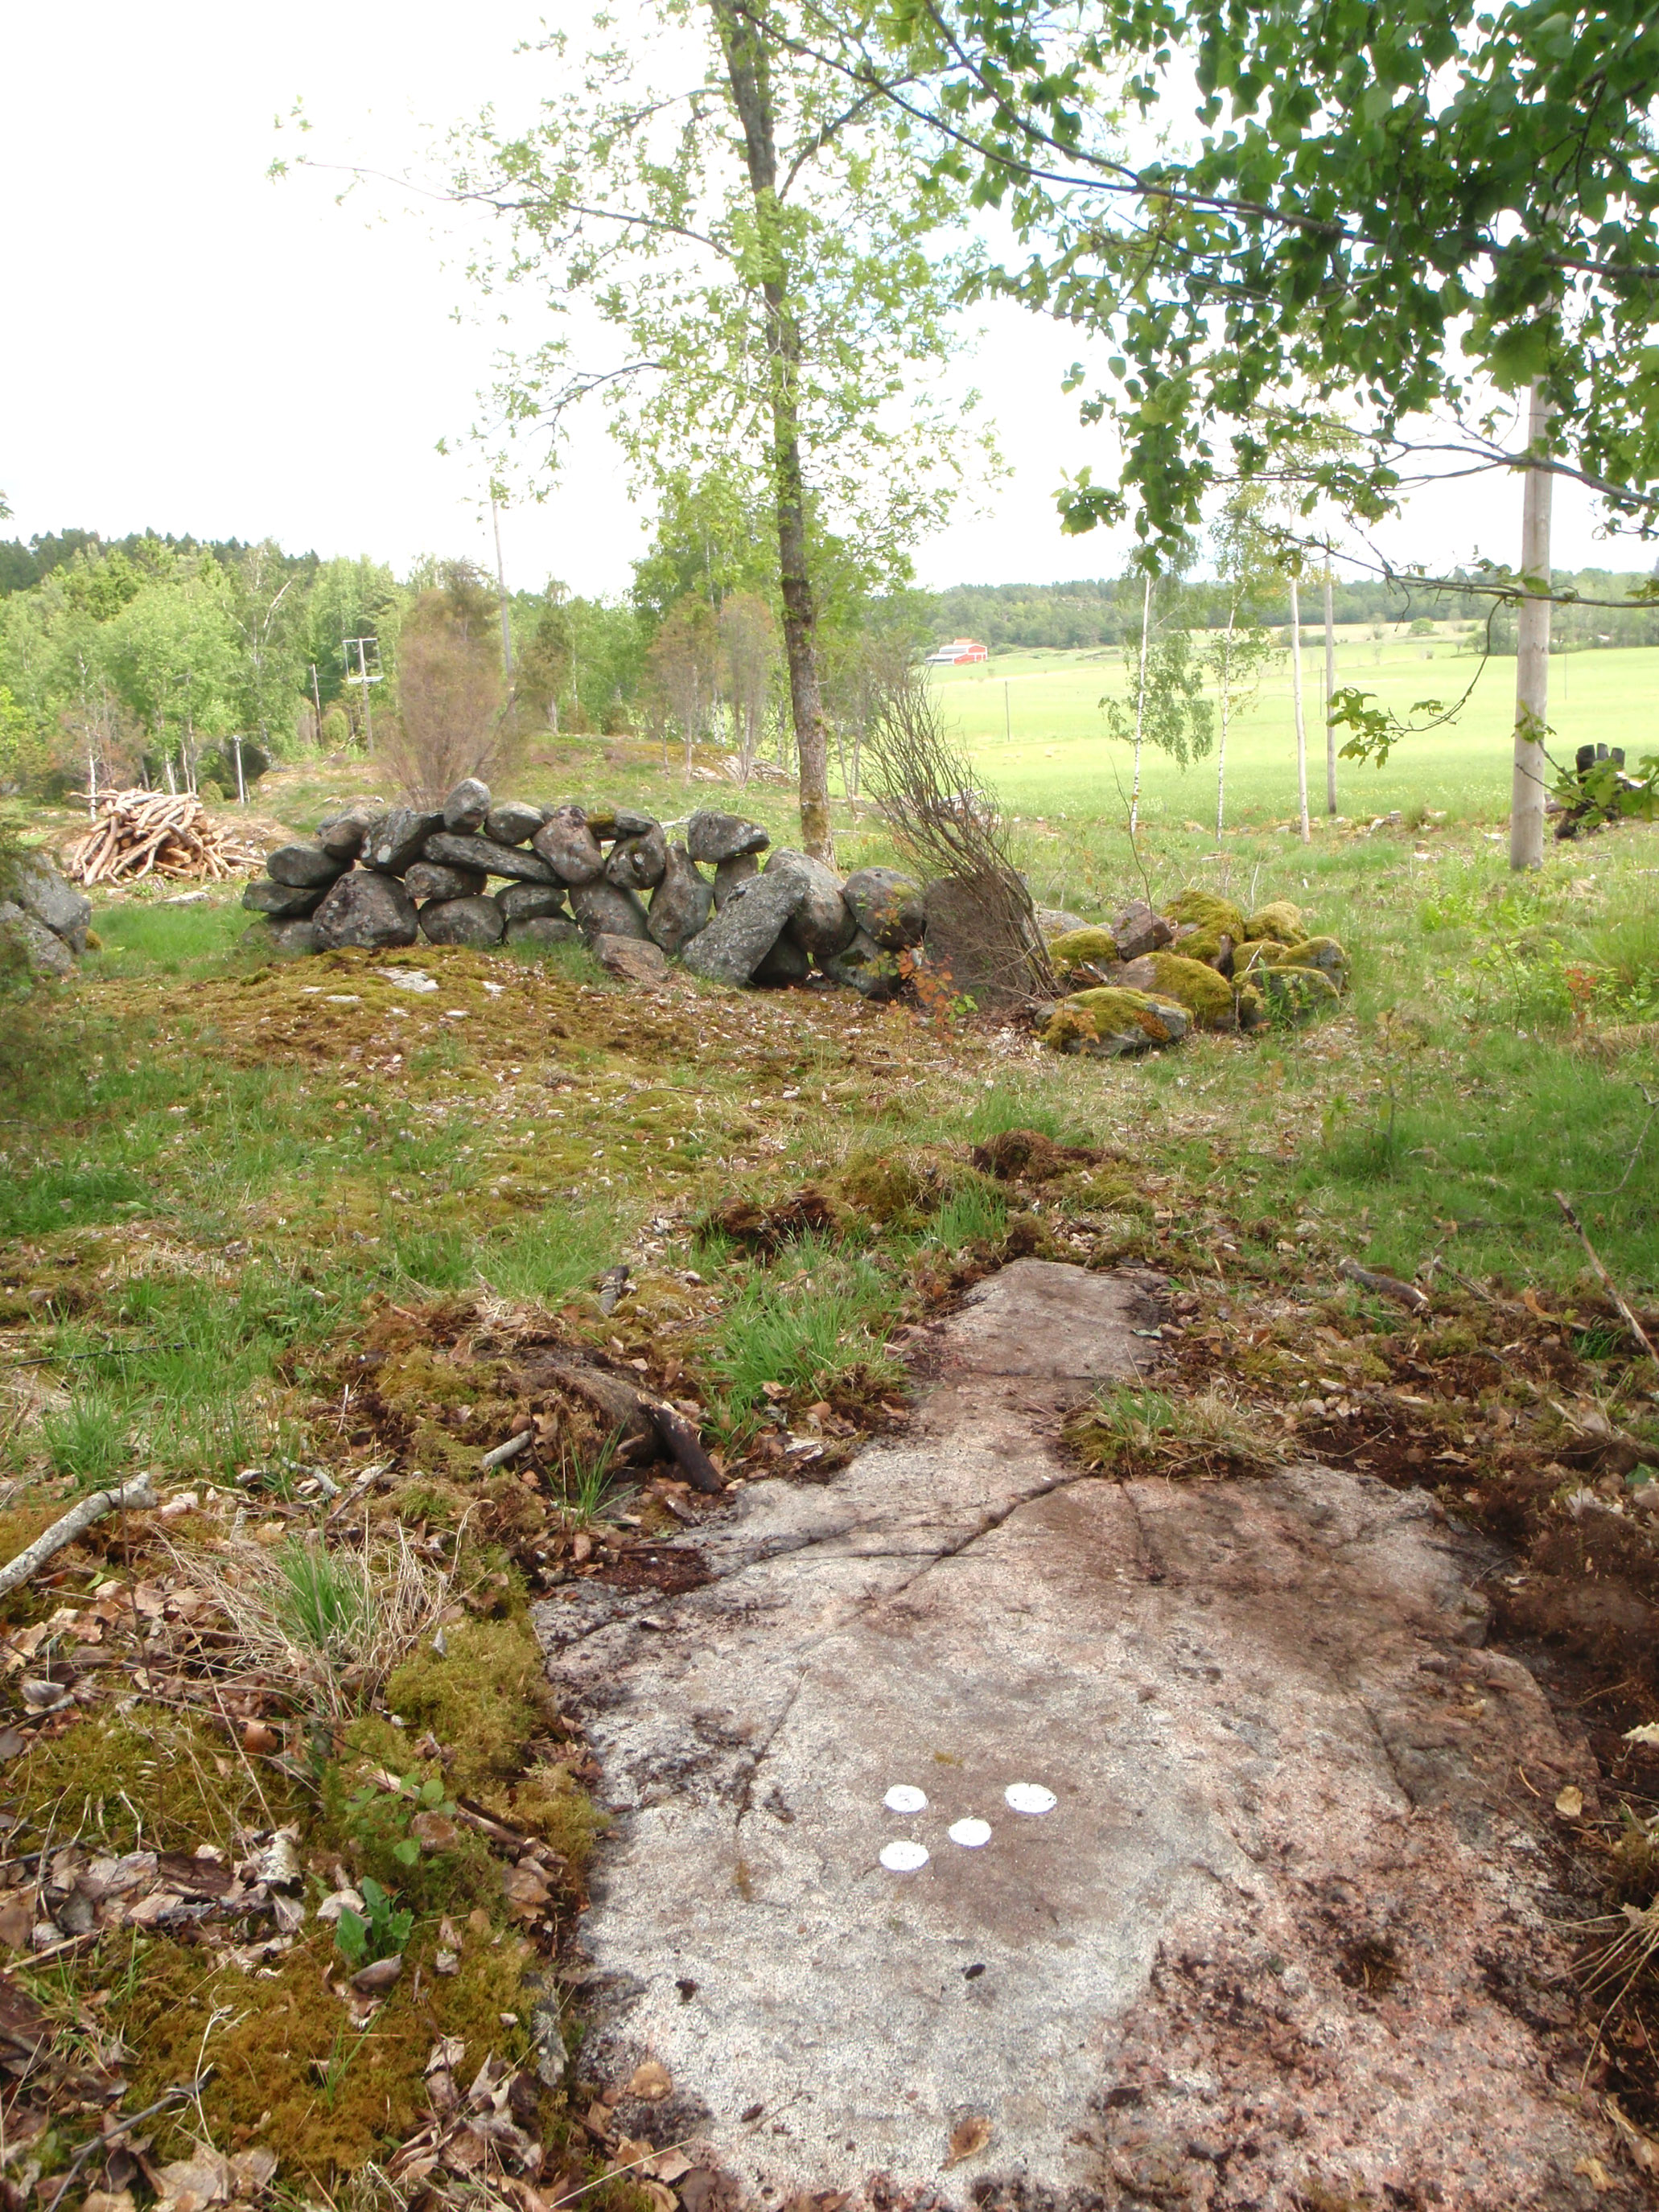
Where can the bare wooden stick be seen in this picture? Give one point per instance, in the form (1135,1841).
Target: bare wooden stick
(1614,1290)
(80,1518)
(1384,1286)
(681,1439)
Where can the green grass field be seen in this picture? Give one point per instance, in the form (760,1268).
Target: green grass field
(1033,725)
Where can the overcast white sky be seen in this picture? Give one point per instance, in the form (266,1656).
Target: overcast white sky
(189,347)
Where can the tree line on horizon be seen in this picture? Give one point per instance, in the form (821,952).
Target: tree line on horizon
(163,657)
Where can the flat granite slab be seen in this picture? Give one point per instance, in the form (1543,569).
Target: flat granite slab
(1284,1927)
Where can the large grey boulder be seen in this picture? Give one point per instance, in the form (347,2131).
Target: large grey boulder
(638,863)
(824,924)
(627,822)
(890,907)
(544,929)
(484,856)
(569,847)
(865,967)
(25,941)
(730,873)
(56,904)
(307,867)
(365,908)
(342,835)
(787,962)
(530,902)
(467,806)
(431,879)
(602,910)
(393,840)
(281,902)
(712,837)
(632,960)
(1138,931)
(682,903)
(746,928)
(513,821)
(477,921)
(295,939)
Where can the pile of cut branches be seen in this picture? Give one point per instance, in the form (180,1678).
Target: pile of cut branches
(155,833)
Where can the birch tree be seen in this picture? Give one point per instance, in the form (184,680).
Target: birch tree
(771,274)
(1166,708)
(1235,658)
(1443,220)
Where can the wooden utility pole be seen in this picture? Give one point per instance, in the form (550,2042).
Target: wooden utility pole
(1532,660)
(500,586)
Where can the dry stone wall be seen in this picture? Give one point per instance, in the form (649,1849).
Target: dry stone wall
(609,878)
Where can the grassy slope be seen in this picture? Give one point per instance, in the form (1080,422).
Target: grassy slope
(217,1173)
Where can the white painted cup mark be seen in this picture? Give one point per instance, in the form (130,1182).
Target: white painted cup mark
(905,1797)
(904,1857)
(972,1835)
(1029,1797)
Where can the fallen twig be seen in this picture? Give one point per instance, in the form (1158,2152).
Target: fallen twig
(1384,1286)
(681,1440)
(510,1449)
(136,1494)
(1614,1290)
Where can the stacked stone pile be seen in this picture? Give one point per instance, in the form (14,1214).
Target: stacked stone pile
(608,877)
(1149,977)
(43,921)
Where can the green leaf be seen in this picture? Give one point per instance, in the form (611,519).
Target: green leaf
(351,1935)
(406,1852)
(432,1792)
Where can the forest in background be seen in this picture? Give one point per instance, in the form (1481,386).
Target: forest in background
(171,661)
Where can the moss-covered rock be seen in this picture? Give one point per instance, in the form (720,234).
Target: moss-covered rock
(1278,919)
(1297,994)
(1077,946)
(1208,997)
(1252,1006)
(1323,953)
(1069,1029)
(1115,1019)
(1209,913)
(1261,952)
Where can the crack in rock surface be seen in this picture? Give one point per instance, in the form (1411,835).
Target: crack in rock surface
(1284,1928)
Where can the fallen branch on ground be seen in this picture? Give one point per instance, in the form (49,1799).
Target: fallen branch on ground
(136,1496)
(1614,1291)
(1384,1286)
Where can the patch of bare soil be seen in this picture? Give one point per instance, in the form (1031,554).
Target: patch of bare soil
(1534,1429)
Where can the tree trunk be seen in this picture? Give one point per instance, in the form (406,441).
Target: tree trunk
(1295,704)
(1140,707)
(1532,660)
(1330,689)
(747,70)
(1226,711)
(241,780)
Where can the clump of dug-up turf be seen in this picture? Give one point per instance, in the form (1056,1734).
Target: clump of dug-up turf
(1145,982)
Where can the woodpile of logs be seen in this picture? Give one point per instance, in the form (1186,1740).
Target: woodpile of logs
(155,833)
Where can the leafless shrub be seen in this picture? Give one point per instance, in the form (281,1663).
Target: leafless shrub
(683,674)
(954,834)
(451,721)
(749,645)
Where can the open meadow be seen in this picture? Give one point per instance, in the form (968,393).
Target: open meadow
(1032,722)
